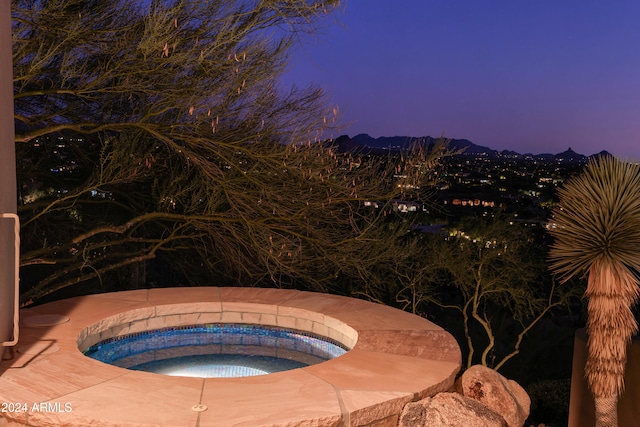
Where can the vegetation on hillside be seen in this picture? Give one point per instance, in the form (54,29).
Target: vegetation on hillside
(489,286)
(157,136)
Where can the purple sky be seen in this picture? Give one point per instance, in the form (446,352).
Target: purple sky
(533,76)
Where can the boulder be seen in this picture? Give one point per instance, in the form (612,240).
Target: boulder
(449,409)
(504,396)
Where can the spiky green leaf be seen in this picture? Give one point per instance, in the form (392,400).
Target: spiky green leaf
(598,218)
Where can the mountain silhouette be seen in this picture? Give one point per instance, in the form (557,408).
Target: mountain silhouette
(365,143)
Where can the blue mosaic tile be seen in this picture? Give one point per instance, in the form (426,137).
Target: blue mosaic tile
(179,349)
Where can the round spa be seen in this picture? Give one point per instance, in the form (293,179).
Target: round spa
(216,350)
(393,358)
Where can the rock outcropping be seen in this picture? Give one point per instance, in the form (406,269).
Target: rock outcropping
(449,409)
(481,397)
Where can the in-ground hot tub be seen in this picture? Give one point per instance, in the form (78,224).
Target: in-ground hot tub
(395,358)
(216,350)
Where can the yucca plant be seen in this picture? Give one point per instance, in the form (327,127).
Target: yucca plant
(597,234)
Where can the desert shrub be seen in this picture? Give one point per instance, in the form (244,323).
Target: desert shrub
(549,402)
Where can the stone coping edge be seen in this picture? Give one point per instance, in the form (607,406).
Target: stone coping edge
(173,315)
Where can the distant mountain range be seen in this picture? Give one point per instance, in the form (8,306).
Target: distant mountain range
(384,144)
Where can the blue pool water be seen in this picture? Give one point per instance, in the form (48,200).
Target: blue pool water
(216,350)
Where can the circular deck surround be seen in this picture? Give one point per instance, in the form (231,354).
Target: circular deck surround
(395,358)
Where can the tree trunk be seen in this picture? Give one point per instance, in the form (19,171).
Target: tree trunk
(606,411)
(612,290)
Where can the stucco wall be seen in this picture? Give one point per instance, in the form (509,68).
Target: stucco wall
(7,176)
(581,407)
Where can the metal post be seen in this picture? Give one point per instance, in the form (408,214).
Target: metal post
(8,220)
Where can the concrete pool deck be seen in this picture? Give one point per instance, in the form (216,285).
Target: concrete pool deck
(396,358)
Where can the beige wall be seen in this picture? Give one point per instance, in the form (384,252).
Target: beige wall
(7,177)
(581,407)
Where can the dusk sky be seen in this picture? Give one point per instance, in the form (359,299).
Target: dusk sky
(534,76)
